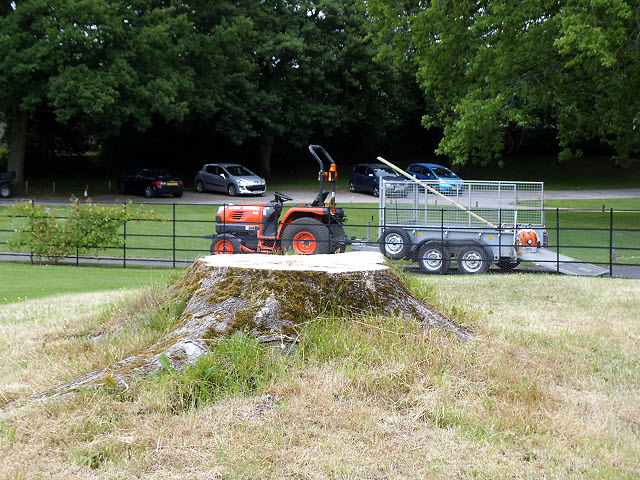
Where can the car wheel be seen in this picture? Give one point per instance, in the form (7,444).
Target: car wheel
(122,188)
(149,191)
(5,190)
(395,243)
(376,192)
(232,190)
(473,259)
(225,244)
(434,258)
(351,187)
(199,186)
(306,236)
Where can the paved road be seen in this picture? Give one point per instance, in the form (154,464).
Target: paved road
(342,196)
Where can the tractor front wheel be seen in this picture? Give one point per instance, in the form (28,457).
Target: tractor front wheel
(306,236)
(225,243)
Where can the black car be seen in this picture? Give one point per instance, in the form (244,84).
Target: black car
(365,177)
(7,179)
(151,182)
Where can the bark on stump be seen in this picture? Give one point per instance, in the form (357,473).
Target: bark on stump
(270,297)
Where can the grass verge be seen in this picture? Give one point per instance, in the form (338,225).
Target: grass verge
(21,282)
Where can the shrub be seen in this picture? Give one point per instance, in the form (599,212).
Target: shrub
(87,227)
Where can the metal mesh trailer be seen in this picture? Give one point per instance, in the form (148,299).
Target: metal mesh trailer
(480,223)
(498,203)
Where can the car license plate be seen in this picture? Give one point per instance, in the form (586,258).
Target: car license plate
(172,184)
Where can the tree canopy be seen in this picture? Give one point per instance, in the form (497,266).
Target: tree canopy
(499,69)
(490,72)
(249,69)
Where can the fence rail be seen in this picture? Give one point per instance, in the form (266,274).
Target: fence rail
(609,238)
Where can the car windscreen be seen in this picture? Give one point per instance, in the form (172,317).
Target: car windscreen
(239,171)
(386,172)
(443,172)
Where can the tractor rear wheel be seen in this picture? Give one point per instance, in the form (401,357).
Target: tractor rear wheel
(225,243)
(306,236)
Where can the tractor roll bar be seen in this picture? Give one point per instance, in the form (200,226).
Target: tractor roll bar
(327,157)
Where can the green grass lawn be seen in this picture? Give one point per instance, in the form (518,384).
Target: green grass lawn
(21,282)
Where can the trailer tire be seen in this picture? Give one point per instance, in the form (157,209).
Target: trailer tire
(225,244)
(395,243)
(306,236)
(434,258)
(473,259)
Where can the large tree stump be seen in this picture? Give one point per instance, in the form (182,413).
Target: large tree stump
(270,297)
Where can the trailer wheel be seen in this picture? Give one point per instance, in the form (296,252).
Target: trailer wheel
(395,243)
(473,259)
(225,244)
(434,258)
(306,236)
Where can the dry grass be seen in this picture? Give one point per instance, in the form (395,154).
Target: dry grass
(549,388)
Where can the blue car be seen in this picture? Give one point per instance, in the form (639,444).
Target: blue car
(437,176)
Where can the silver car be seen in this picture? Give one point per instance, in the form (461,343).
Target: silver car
(231,178)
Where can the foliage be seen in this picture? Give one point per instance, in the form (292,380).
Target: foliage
(294,69)
(104,62)
(87,227)
(499,70)
(241,69)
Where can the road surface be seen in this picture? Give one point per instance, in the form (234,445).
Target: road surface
(307,196)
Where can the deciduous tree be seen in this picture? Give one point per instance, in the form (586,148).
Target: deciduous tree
(499,68)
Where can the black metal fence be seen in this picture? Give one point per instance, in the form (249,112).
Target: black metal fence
(608,238)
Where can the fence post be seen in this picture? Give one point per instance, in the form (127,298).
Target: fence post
(442,249)
(174,235)
(124,234)
(499,233)
(557,239)
(611,242)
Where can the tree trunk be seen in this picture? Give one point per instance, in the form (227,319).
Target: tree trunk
(264,152)
(269,297)
(17,144)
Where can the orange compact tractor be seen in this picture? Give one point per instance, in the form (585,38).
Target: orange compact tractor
(304,228)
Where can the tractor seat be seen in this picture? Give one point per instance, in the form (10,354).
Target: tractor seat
(319,200)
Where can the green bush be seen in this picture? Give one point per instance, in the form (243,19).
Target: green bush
(86,227)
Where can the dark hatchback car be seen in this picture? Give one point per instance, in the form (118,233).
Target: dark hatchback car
(365,177)
(151,182)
